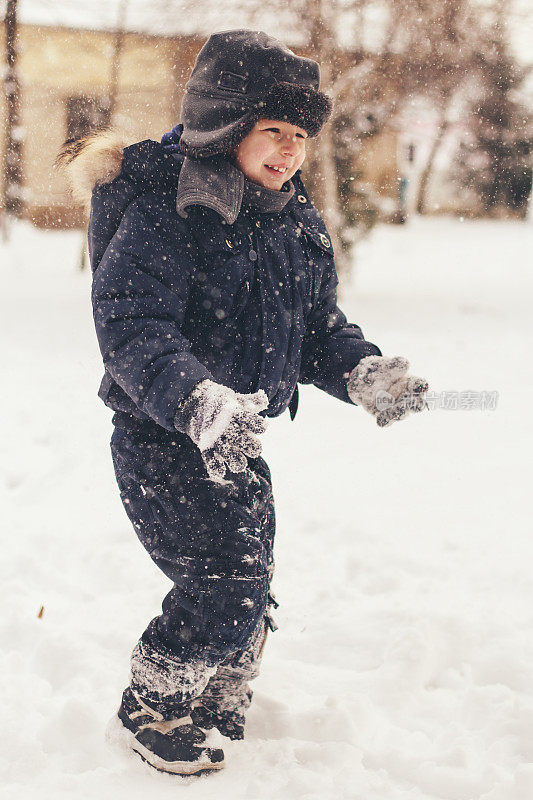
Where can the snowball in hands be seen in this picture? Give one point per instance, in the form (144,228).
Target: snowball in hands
(383,388)
(222,423)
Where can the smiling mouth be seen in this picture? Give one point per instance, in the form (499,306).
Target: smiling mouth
(278,170)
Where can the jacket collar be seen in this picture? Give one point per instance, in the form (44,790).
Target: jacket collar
(216,183)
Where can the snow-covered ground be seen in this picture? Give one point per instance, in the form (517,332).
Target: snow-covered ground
(403,663)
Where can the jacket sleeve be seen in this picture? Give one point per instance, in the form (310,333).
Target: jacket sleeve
(332,347)
(140,293)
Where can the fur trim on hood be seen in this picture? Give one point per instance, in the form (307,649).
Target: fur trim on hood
(90,161)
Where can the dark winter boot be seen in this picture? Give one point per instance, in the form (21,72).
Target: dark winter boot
(169,742)
(207,715)
(227,697)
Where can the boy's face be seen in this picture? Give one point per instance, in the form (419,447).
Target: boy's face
(271,143)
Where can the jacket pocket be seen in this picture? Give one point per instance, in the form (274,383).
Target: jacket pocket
(142,506)
(320,239)
(319,256)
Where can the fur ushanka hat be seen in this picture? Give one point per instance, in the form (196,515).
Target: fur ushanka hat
(239,77)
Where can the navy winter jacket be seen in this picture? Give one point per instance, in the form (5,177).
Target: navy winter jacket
(251,305)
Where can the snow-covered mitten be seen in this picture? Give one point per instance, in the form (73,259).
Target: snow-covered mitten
(222,423)
(381,385)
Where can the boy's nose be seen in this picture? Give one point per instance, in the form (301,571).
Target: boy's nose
(289,146)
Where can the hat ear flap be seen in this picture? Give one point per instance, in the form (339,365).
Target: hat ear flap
(223,141)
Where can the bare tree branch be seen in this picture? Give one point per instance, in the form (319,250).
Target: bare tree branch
(12,189)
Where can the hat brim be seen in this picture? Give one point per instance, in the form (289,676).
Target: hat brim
(299,105)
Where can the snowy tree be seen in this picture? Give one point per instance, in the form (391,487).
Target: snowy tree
(111,99)
(13,203)
(357,77)
(116,55)
(429,48)
(495,160)
(445,41)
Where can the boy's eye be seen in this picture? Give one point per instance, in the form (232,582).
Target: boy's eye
(276,130)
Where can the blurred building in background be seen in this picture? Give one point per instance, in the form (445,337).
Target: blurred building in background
(406,136)
(67,86)
(66,76)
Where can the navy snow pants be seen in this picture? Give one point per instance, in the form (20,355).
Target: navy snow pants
(214,540)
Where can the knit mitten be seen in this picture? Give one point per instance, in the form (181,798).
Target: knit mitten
(381,385)
(222,423)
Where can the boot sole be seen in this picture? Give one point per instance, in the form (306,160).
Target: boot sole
(174,767)
(187,767)
(118,735)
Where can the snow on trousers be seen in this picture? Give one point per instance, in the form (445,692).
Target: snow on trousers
(214,540)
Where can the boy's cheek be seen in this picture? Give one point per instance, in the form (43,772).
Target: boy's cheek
(299,163)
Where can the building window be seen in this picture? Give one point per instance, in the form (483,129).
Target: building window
(85,114)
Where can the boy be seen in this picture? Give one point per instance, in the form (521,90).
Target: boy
(214,293)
